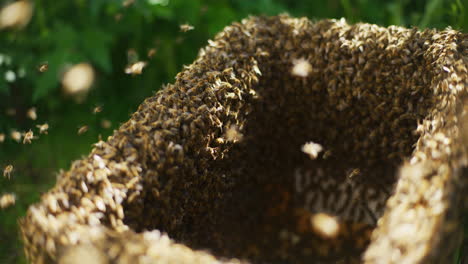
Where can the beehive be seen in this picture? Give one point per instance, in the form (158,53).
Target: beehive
(210,169)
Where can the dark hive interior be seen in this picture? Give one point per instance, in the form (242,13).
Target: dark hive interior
(254,198)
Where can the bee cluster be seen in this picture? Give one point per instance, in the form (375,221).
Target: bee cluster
(214,160)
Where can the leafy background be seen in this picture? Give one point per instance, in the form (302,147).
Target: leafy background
(62,33)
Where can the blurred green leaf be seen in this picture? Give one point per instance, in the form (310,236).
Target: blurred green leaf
(396,13)
(48,80)
(65,36)
(430,13)
(95,45)
(218,16)
(3,84)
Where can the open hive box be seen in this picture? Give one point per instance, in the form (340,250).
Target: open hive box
(214,161)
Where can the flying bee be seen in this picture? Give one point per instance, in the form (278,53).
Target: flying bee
(106,123)
(2,137)
(43,67)
(151,53)
(325,225)
(135,68)
(82,129)
(43,128)
(11,111)
(128,3)
(132,56)
(16,135)
(97,109)
(354,172)
(28,136)
(32,113)
(77,80)
(301,68)
(327,154)
(312,149)
(7,200)
(118,17)
(7,171)
(186,27)
(233,134)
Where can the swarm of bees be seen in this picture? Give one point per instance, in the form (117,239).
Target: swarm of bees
(179,160)
(29,135)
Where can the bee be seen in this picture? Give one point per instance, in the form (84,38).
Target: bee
(16,135)
(312,149)
(78,79)
(186,27)
(179,40)
(100,204)
(43,128)
(301,68)
(354,172)
(15,15)
(97,109)
(11,111)
(7,200)
(233,134)
(28,136)
(106,123)
(325,225)
(118,17)
(151,53)
(83,129)
(132,56)
(7,171)
(135,68)
(203,9)
(43,67)
(128,3)
(327,154)
(32,113)
(2,137)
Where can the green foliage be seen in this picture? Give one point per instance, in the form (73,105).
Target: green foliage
(101,32)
